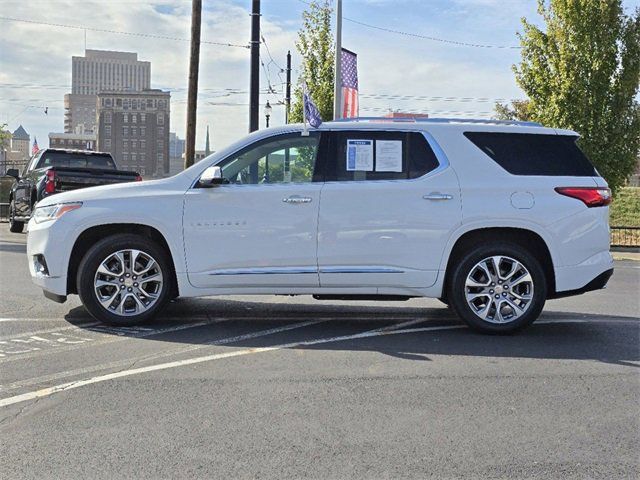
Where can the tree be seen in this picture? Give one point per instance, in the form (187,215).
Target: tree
(583,73)
(5,137)
(315,45)
(519,110)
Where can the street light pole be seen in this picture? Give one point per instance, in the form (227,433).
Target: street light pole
(267,116)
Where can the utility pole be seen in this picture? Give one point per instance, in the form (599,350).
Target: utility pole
(254,80)
(254,88)
(288,90)
(192,97)
(337,87)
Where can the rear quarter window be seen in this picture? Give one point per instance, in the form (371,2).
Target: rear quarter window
(534,154)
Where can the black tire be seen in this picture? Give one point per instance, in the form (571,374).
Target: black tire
(98,253)
(456,289)
(14,225)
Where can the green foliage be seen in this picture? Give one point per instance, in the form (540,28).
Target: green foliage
(315,45)
(583,74)
(625,208)
(519,110)
(5,137)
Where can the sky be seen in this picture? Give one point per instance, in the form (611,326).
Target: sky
(453,80)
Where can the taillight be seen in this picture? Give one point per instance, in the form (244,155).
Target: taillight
(138,178)
(590,196)
(50,182)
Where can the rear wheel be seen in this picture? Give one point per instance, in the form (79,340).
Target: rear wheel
(124,279)
(14,225)
(497,288)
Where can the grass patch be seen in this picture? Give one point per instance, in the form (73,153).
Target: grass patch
(625,208)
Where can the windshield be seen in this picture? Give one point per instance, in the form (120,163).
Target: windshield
(77,160)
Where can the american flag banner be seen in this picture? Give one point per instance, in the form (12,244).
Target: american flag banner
(349,75)
(35,149)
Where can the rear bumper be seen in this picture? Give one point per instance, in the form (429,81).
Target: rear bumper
(576,277)
(597,283)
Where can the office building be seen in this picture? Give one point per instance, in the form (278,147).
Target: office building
(98,71)
(74,141)
(134,128)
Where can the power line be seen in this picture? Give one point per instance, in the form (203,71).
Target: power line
(120,32)
(423,37)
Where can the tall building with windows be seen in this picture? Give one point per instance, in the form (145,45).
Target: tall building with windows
(134,128)
(98,71)
(176,150)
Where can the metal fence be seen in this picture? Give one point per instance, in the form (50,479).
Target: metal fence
(625,236)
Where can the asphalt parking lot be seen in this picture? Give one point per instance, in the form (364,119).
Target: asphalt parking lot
(280,387)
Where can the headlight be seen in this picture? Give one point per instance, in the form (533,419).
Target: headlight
(52,212)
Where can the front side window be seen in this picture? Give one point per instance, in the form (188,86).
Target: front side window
(378,155)
(281,159)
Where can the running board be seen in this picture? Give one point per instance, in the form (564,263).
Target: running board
(384,298)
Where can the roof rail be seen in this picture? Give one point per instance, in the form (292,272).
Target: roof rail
(479,121)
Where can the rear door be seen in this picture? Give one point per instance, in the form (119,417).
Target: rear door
(387,209)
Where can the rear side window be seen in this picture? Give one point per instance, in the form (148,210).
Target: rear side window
(534,154)
(76,160)
(370,155)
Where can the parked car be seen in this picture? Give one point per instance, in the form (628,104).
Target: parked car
(51,171)
(491,217)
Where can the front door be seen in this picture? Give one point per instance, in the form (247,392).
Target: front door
(387,210)
(261,228)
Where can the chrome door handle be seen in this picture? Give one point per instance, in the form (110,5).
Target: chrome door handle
(437,196)
(296,199)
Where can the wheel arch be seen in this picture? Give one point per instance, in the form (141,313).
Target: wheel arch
(531,240)
(89,236)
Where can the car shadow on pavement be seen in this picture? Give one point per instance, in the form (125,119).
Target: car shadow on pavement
(556,335)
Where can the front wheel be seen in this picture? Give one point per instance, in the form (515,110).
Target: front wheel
(14,225)
(497,288)
(124,279)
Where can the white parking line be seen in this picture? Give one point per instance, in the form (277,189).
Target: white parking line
(45,392)
(79,326)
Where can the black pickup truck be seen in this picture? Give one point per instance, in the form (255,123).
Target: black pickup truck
(51,171)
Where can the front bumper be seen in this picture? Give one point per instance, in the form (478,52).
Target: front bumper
(52,241)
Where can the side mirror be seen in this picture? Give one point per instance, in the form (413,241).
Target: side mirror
(13,172)
(211,177)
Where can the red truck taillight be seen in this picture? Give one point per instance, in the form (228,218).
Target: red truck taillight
(50,182)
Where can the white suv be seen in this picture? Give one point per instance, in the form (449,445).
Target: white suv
(491,217)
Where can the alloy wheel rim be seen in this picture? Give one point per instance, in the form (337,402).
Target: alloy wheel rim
(128,282)
(499,289)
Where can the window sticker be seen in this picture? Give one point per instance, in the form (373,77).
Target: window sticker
(388,155)
(360,155)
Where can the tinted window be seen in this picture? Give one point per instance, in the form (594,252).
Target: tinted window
(370,155)
(75,160)
(534,154)
(280,159)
